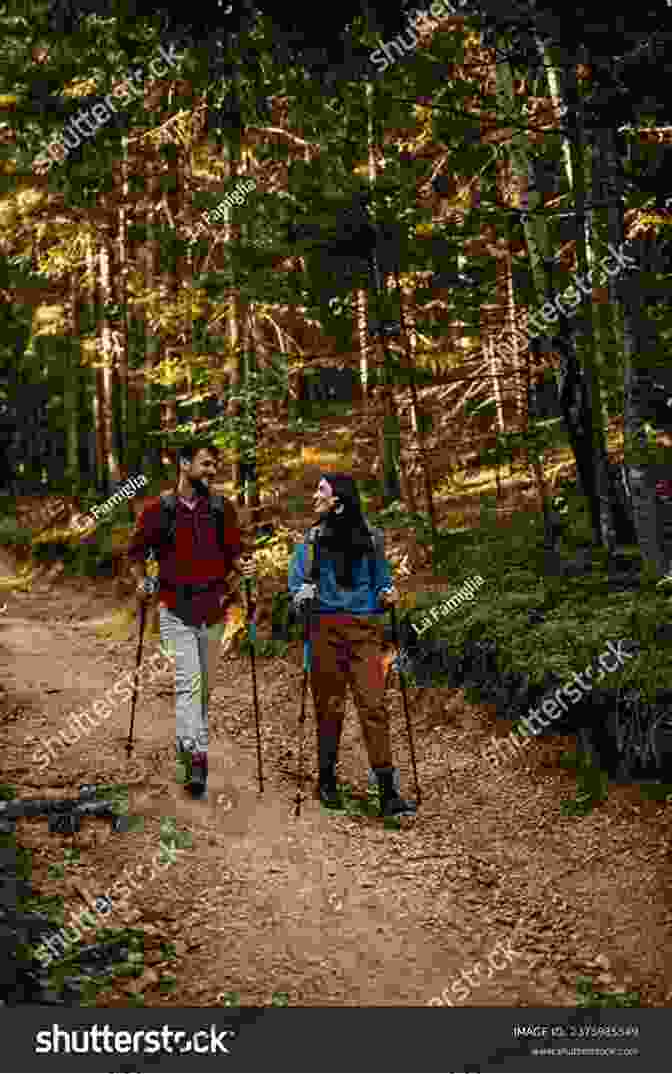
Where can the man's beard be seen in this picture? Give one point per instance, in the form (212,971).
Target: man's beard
(200,488)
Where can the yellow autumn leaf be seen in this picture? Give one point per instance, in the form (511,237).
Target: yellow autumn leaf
(236,622)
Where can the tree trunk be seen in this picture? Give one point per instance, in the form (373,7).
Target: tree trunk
(98,399)
(391,437)
(72,475)
(534,226)
(409,339)
(364,343)
(601,504)
(150,413)
(128,446)
(642,345)
(108,361)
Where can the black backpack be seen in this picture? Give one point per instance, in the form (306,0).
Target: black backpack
(216,504)
(169,518)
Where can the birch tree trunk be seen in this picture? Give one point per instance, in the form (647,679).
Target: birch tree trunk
(150,413)
(236,314)
(99,394)
(72,475)
(129,460)
(108,361)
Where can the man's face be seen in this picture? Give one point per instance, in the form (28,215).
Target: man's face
(323,497)
(202,470)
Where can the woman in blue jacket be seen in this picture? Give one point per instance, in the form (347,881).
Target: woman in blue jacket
(341,569)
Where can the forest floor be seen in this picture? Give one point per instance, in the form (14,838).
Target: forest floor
(330,909)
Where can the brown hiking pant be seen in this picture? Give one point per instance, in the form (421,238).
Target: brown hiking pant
(348,649)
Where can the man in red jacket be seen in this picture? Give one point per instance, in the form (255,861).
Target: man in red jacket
(194,594)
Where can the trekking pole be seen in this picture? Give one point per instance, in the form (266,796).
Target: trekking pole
(395,638)
(138,660)
(152,574)
(304,689)
(252,633)
(263,537)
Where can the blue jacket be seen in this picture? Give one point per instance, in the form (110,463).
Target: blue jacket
(360,600)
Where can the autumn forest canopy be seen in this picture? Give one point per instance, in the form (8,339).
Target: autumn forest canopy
(214,245)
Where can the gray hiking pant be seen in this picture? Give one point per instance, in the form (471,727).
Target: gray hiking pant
(195,650)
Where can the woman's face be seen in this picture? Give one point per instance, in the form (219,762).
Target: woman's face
(323,497)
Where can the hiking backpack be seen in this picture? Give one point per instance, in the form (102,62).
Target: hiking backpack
(169,518)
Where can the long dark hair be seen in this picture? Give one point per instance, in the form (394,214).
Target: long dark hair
(344,536)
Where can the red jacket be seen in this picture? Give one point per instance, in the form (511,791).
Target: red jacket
(195,555)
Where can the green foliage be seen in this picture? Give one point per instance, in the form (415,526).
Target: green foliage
(91,987)
(90,556)
(229,999)
(167,983)
(51,906)
(12,535)
(68,965)
(592,788)
(396,515)
(582,611)
(21,858)
(587,996)
(117,794)
(656,792)
(169,835)
(357,807)
(284,623)
(268,648)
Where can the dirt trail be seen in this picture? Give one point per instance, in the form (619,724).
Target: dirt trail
(333,909)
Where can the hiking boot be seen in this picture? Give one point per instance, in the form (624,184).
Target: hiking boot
(198,781)
(327,788)
(391,805)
